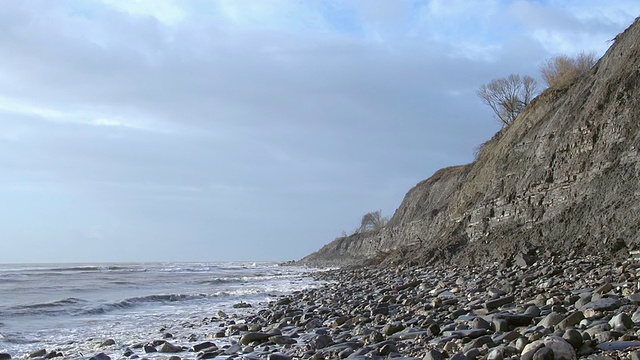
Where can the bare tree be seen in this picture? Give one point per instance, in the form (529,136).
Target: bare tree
(508,96)
(372,221)
(563,70)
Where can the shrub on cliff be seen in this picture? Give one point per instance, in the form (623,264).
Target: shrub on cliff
(372,221)
(508,96)
(563,70)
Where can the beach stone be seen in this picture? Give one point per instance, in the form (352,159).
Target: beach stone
(433,355)
(203,346)
(621,321)
(496,303)
(168,347)
(321,342)
(392,328)
(282,340)
(100,356)
(175,357)
(605,304)
(495,354)
(471,333)
(241,305)
(572,320)
(524,260)
(560,348)
(279,356)
(603,289)
(5,356)
(573,337)
(480,323)
(551,320)
(479,342)
(250,337)
(208,354)
(544,353)
(107,342)
(617,345)
(472,354)
(53,354)
(515,319)
(635,355)
(500,325)
(37,353)
(459,357)
(634,298)
(433,330)
(387,349)
(149,349)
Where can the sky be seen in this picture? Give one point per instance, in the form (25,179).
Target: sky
(260,130)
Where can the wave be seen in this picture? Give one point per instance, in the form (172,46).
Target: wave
(79,307)
(138,301)
(48,308)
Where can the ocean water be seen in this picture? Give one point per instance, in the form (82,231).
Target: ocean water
(74,307)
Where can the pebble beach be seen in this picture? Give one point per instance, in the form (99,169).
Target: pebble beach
(547,307)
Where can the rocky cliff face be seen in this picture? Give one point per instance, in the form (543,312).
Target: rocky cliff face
(564,177)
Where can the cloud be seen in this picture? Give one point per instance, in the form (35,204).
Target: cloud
(218,123)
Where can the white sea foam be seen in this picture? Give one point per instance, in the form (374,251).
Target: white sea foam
(75,307)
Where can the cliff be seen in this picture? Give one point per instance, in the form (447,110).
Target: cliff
(562,178)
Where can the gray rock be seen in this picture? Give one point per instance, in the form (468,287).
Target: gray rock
(168,347)
(480,323)
(544,353)
(241,305)
(603,289)
(321,342)
(37,353)
(524,260)
(573,337)
(617,345)
(551,320)
(496,303)
(5,356)
(459,357)
(100,356)
(560,348)
(621,322)
(250,337)
(472,354)
(107,342)
(279,356)
(203,346)
(605,304)
(471,333)
(571,320)
(495,354)
(479,342)
(433,355)
(392,328)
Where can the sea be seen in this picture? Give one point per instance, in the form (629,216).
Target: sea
(73,308)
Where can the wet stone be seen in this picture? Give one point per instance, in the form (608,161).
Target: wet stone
(618,345)
(496,303)
(100,356)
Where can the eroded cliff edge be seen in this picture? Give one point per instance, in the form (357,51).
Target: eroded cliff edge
(564,177)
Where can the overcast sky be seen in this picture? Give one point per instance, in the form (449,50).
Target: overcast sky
(158,130)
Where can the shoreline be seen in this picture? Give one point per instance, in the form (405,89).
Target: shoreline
(537,308)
